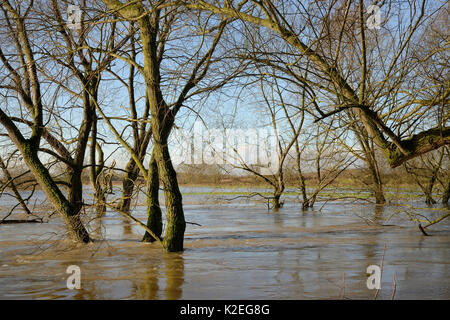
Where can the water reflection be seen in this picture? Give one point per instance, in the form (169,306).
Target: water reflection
(174,275)
(149,289)
(127,227)
(278,218)
(163,280)
(86,294)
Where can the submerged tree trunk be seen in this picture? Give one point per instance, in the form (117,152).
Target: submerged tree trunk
(278,190)
(132,170)
(96,170)
(162,119)
(302,186)
(305,203)
(301,177)
(129,180)
(68,211)
(368,148)
(428,190)
(446,194)
(276,204)
(162,115)
(429,195)
(154,216)
(377,183)
(29,149)
(176,225)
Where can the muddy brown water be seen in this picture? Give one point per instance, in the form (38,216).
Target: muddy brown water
(240,251)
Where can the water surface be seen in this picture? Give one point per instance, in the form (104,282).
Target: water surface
(240,251)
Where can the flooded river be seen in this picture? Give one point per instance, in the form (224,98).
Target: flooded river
(239,250)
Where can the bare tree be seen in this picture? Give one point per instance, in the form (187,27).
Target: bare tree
(303,27)
(279,111)
(22,82)
(152,20)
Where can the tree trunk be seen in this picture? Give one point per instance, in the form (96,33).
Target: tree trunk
(69,212)
(430,185)
(446,194)
(132,172)
(96,170)
(368,148)
(154,217)
(377,184)
(428,190)
(176,225)
(429,197)
(162,119)
(278,190)
(276,201)
(312,200)
(301,177)
(129,179)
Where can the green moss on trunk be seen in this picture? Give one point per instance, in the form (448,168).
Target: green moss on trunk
(69,213)
(417,144)
(154,216)
(176,224)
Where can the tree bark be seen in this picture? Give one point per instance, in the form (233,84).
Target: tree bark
(129,179)
(428,190)
(176,225)
(446,194)
(276,201)
(154,216)
(69,212)
(377,182)
(278,190)
(29,149)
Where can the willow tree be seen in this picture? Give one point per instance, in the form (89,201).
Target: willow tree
(153,21)
(303,26)
(21,85)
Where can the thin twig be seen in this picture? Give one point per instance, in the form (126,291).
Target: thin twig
(381,272)
(194,223)
(395,286)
